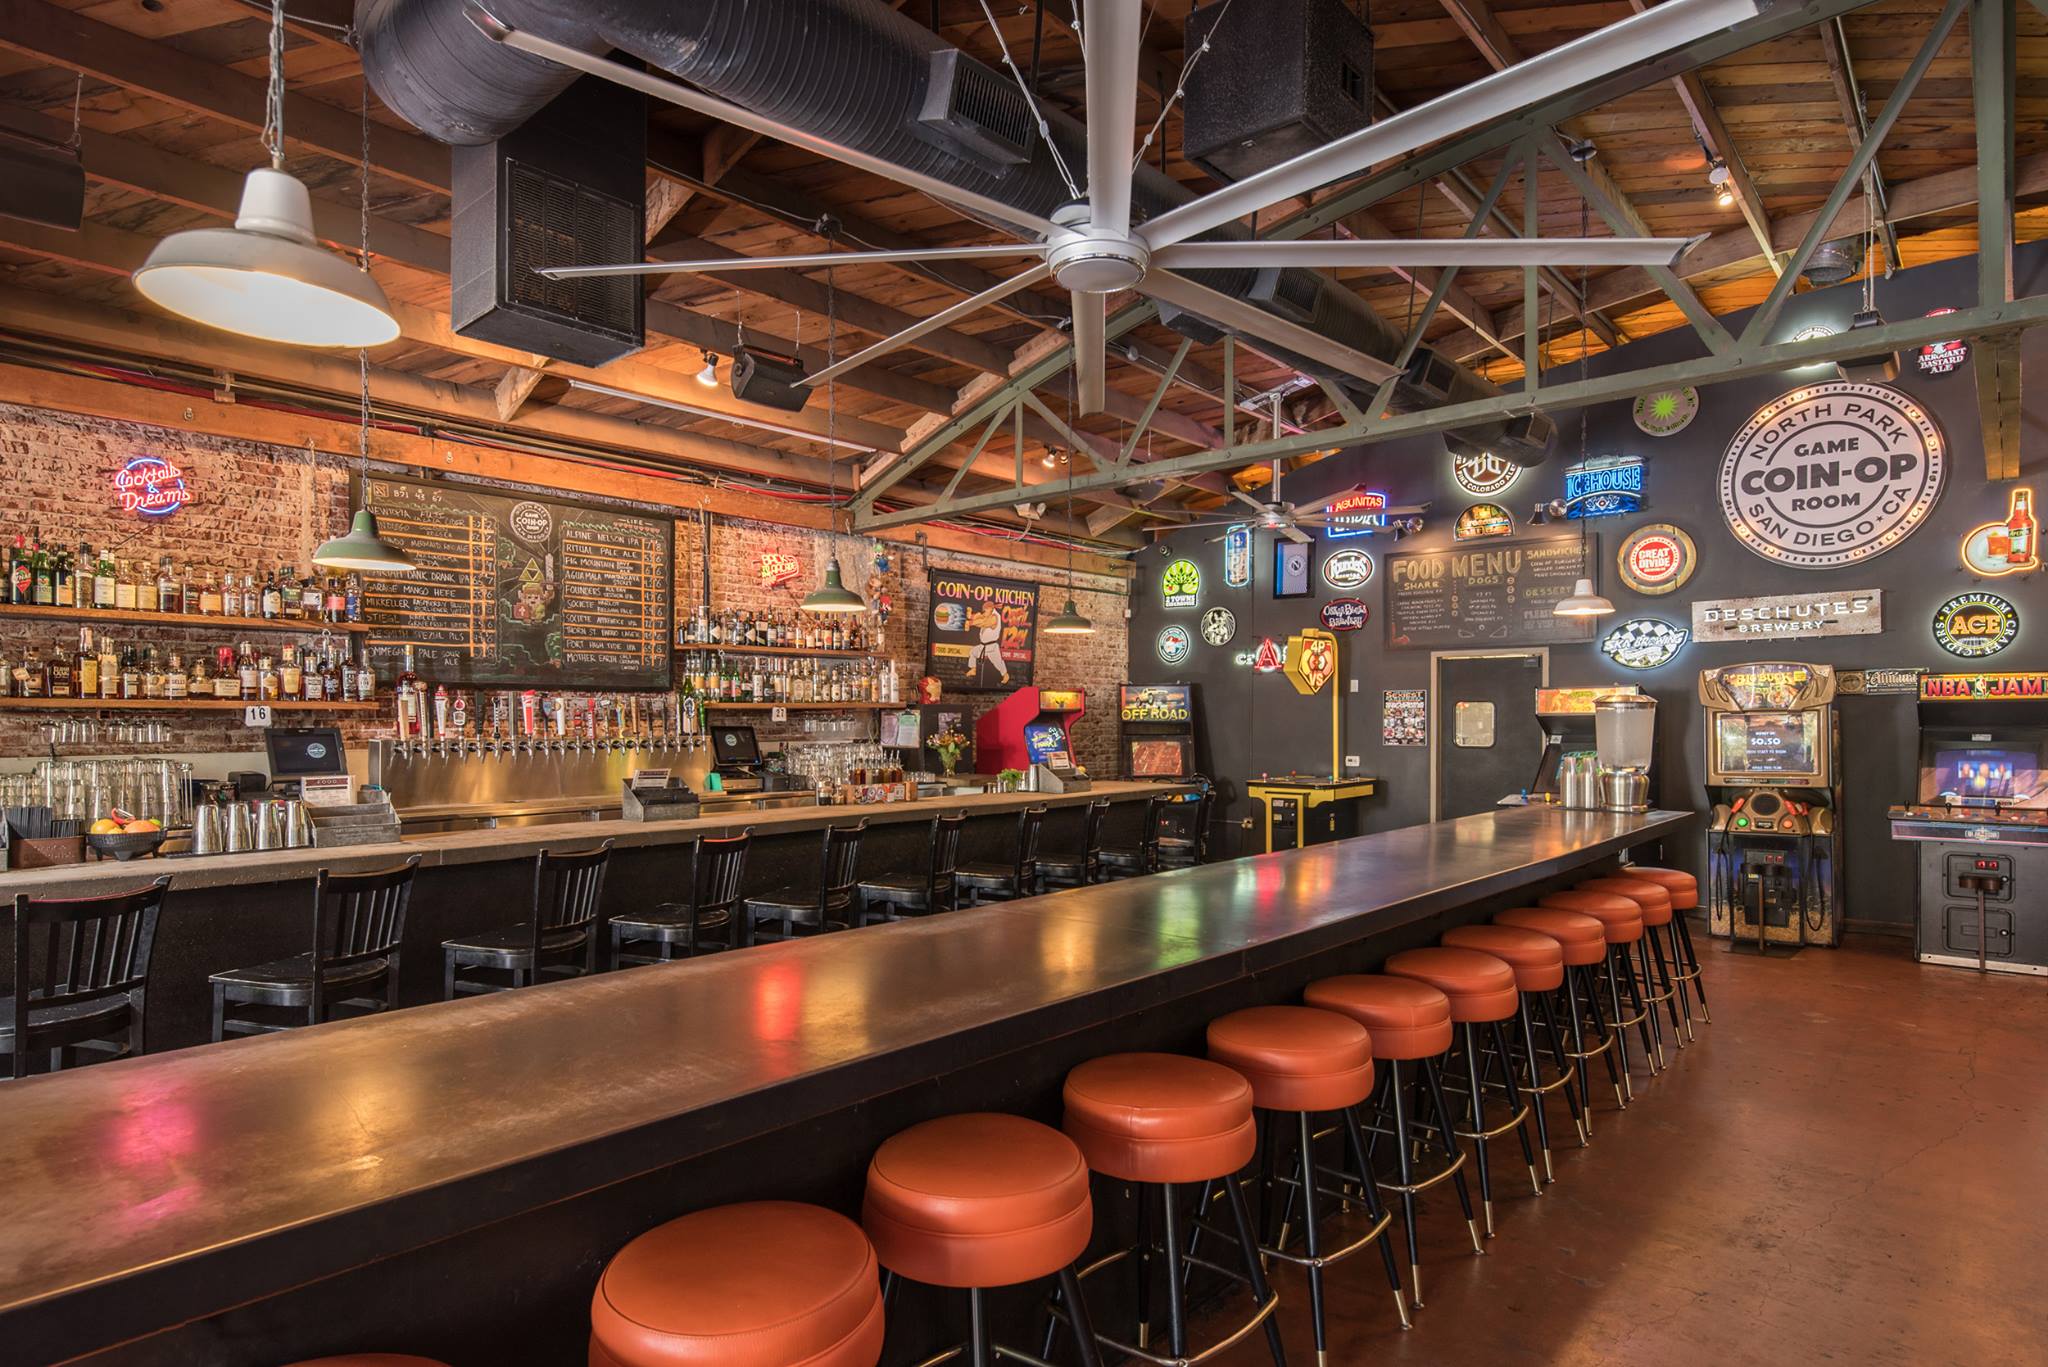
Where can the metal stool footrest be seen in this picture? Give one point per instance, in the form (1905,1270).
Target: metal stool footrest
(1236,1336)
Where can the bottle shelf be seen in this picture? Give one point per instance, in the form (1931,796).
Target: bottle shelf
(194,620)
(804,706)
(178,705)
(703,649)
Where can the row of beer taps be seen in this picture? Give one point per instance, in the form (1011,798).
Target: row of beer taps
(650,745)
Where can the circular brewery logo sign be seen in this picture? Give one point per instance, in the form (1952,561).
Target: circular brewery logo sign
(1667,412)
(1347,569)
(531,522)
(1832,474)
(1174,644)
(1484,473)
(1657,558)
(1345,614)
(1974,625)
(1219,626)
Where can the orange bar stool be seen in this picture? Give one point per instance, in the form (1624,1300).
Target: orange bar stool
(1621,920)
(1304,1063)
(979,1201)
(764,1284)
(1685,896)
(1482,992)
(1583,943)
(1410,1022)
(1538,962)
(1658,986)
(1166,1121)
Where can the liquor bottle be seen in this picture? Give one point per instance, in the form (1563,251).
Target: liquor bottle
(43,585)
(333,600)
(147,596)
(200,684)
(209,594)
(85,666)
(131,673)
(110,668)
(60,574)
(269,680)
(309,597)
(31,677)
(272,605)
(170,593)
(291,680)
(246,672)
(355,597)
(250,604)
(8,590)
(124,586)
(2025,533)
(58,676)
(227,678)
(188,591)
(177,684)
(153,683)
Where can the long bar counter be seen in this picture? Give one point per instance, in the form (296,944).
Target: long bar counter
(143,1196)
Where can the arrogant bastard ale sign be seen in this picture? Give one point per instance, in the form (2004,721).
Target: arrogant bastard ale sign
(1832,474)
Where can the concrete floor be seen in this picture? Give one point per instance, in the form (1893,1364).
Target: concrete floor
(1850,1165)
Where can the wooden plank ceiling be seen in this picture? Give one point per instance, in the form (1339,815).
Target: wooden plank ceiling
(169,96)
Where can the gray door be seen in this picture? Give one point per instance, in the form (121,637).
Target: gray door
(1484,733)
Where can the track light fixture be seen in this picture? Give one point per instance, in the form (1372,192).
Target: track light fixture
(1723,184)
(708,376)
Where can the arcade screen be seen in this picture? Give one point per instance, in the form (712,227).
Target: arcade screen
(1158,758)
(1767,744)
(1978,776)
(1046,743)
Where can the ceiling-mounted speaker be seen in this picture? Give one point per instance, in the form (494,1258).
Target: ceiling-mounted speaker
(1279,78)
(769,379)
(41,181)
(1879,368)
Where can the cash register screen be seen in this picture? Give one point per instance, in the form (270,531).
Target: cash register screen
(733,746)
(1767,744)
(303,752)
(1976,776)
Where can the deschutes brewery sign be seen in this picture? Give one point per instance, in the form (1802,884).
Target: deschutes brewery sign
(1347,569)
(1657,559)
(1856,612)
(1485,474)
(1974,625)
(1345,614)
(1832,474)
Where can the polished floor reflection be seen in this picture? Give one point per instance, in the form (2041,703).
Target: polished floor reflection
(1847,1167)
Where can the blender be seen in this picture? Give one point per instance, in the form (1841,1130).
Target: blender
(1624,733)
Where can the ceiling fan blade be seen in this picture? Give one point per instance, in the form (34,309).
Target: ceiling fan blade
(944,317)
(1479,253)
(1298,537)
(1635,40)
(1091,349)
(1257,325)
(805,261)
(1244,497)
(674,92)
(1110,49)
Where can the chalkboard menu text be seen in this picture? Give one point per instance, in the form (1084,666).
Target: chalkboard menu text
(1498,594)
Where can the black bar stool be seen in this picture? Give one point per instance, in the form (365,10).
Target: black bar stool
(718,864)
(1621,922)
(358,933)
(1085,867)
(1186,851)
(1583,942)
(893,896)
(1685,896)
(567,891)
(1538,963)
(1002,882)
(789,912)
(92,989)
(1130,861)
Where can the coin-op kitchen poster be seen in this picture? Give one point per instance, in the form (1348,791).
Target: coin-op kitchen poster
(982,632)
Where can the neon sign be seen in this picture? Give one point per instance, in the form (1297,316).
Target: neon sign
(1604,488)
(1358,513)
(151,486)
(778,568)
(1237,555)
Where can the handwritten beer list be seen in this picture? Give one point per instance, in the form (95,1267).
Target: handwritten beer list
(614,587)
(449,603)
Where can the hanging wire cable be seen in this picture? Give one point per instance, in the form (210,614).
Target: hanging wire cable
(1031,100)
(1180,86)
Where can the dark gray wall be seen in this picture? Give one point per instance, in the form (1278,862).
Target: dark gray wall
(1252,723)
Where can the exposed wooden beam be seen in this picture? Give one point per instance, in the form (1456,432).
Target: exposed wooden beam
(1996,363)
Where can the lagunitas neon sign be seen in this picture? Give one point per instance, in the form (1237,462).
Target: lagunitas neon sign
(1358,513)
(151,486)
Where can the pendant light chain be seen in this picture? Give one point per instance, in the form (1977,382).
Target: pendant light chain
(273,103)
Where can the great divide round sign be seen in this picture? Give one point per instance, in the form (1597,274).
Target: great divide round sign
(1832,474)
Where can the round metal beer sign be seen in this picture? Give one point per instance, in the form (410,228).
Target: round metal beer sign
(1657,558)
(1832,474)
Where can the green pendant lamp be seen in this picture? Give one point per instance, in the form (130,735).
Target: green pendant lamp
(1070,622)
(832,596)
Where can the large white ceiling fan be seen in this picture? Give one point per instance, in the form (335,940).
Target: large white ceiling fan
(1092,249)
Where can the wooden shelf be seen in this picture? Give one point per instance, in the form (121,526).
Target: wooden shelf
(131,617)
(806,706)
(177,705)
(703,649)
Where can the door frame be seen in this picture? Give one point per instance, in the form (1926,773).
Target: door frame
(1541,654)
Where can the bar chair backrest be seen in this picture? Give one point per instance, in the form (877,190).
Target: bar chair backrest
(1148,835)
(941,890)
(568,889)
(358,917)
(1199,833)
(838,879)
(718,865)
(1091,841)
(93,952)
(1029,822)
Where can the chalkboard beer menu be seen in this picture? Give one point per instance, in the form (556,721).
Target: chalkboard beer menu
(1497,594)
(514,591)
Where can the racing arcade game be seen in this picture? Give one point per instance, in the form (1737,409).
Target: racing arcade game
(1031,731)
(1980,822)
(1155,731)
(1773,776)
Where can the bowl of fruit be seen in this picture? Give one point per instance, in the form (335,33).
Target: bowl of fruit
(121,836)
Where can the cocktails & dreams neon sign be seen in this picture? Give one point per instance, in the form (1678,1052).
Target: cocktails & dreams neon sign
(151,486)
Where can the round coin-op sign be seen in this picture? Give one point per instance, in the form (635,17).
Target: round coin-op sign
(1832,474)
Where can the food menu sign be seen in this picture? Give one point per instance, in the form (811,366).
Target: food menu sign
(1494,595)
(982,633)
(521,592)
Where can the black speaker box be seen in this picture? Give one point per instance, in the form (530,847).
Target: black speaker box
(1281,77)
(770,380)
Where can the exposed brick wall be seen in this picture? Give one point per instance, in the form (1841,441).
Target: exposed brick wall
(258,506)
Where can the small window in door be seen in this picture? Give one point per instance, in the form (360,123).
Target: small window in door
(1473,726)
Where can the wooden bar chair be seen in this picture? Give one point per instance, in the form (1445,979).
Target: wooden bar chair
(1186,851)
(1132,861)
(358,935)
(568,889)
(936,888)
(789,912)
(81,976)
(1085,865)
(1004,882)
(718,865)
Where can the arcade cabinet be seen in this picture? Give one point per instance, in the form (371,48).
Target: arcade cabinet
(1568,735)
(1155,731)
(1980,822)
(1032,730)
(1309,809)
(1773,777)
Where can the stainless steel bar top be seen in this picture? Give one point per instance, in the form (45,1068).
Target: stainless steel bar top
(180,1183)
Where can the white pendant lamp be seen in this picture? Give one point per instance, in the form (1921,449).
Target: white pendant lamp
(1583,602)
(268,276)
